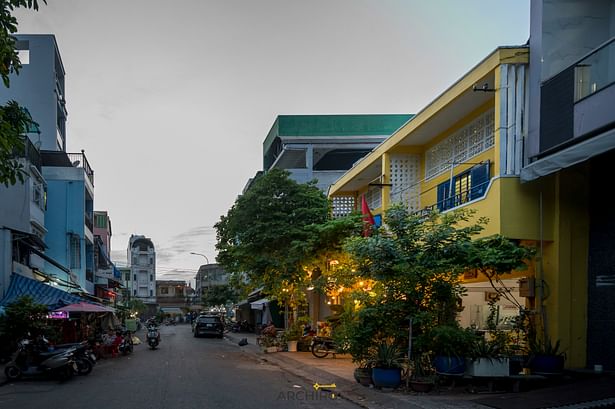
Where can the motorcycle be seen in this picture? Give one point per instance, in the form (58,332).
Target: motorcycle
(125,346)
(321,347)
(84,356)
(153,337)
(31,361)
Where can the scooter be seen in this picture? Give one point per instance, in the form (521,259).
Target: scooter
(153,336)
(30,361)
(84,356)
(321,347)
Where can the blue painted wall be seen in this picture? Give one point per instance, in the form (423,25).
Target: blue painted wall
(65,215)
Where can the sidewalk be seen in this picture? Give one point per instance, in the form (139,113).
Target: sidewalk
(588,393)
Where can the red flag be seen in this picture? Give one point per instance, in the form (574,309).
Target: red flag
(368,218)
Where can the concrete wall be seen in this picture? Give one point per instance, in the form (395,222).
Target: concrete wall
(35,88)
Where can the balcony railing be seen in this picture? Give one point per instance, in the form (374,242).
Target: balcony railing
(88,222)
(595,72)
(67,160)
(32,154)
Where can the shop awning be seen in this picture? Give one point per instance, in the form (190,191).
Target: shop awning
(41,293)
(172,310)
(85,307)
(259,304)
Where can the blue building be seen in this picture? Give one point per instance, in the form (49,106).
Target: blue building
(70,215)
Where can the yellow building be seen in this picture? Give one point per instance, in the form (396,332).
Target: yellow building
(466,149)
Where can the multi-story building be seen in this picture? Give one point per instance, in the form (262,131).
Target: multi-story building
(142,264)
(323,147)
(209,275)
(70,214)
(174,297)
(40,88)
(570,153)
(463,150)
(107,276)
(22,220)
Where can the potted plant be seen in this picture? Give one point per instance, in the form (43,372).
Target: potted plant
(450,345)
(292,335)
(422,375)
(546,357)
(386,365)
(486,358)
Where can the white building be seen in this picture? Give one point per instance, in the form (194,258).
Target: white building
(142,264)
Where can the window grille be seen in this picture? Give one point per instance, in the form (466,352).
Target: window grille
(342,206)
(75,251)
(404,171)
(469,141)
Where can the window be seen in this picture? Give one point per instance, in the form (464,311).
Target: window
(100,221)
(134,277)
(38,194)
(151,277)
(127,276)
(151,293)
(469,185)
(134,292)
(75,251)
(164,290)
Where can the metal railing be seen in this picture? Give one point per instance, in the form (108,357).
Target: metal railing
(32,154)
(595,72)
(88,222)
(79,160)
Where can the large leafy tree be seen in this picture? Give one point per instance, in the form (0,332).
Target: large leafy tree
(413,267)
(14,120)
(265,232)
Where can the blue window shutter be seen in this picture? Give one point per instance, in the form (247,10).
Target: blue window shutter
(480,180)
(446,200)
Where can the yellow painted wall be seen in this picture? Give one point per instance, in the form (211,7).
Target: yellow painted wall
(565,265)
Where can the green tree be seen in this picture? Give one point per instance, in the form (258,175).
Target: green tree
(414,266)
(22,318)
(14,120)
(265,232)
(220,295)
(136,306)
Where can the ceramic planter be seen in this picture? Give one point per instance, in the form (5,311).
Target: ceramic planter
(363,376)
(386,377)
(421,386)
(449,365)
(487,367)
(292,346)
(550,364)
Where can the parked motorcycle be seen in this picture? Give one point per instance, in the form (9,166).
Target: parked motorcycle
(125,346)
(84,356)
(153,336)
(30,360)
(321,347)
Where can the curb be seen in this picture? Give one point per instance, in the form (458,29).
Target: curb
(351,391)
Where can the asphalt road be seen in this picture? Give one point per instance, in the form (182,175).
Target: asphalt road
(184,373)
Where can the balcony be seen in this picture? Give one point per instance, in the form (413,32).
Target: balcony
(68,160)
(595,72)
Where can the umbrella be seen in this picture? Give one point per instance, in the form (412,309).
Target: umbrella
(85,307)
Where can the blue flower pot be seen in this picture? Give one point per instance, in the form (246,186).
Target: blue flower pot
(449,365)
(386,377)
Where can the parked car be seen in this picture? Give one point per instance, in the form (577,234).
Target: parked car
(209,325)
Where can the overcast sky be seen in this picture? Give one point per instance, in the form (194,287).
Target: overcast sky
(171,100)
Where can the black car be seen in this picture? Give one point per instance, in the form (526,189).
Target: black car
(209,325)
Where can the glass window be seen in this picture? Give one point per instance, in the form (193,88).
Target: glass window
(75,251)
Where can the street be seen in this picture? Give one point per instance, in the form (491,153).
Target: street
(184,373)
